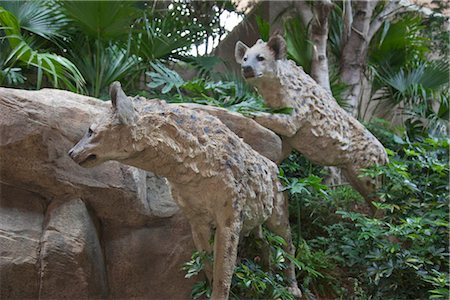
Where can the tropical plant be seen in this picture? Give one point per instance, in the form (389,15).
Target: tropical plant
(250,280)
(21,52)
(231,93)
(403,75)
(401,255)
(99,41)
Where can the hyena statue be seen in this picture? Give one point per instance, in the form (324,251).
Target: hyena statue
(224,187)
(317,127)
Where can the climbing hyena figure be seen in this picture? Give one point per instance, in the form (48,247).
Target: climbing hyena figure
(219,182)
(317,127)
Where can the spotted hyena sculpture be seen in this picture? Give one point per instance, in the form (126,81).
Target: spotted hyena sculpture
(317,127)
(224,187)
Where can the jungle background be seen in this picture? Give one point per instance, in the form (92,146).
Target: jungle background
(386,62)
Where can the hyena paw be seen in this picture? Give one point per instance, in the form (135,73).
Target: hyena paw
(295,291)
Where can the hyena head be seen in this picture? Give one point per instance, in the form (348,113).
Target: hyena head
(259,61)
(110,137)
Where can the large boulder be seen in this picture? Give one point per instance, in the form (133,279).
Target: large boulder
(53,213)
(71,258)
(112,231)
(21,222)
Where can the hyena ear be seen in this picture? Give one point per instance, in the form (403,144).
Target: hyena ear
(239,51)
(278,45)
(122,106)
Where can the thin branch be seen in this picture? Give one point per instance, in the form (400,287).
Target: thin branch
(348,20)
(389,11)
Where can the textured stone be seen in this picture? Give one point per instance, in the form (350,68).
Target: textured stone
(159,196)
(36,130)
(21,219)
(144,253)
(145,262)
(71,258)
(42,126)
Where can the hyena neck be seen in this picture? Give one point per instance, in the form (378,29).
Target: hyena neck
(285,87)
(271,90)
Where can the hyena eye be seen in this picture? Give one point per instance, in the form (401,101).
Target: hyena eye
(260,58)
(245,58)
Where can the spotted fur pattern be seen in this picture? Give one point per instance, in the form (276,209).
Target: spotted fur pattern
(224,187)
(317,127)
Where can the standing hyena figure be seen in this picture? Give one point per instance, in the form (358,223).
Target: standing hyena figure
(317,127)
(219,182)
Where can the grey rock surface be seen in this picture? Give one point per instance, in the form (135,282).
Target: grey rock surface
(71,258)
(54,243)
(110,232)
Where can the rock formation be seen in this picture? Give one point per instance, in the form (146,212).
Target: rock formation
(224,187)
(69,232)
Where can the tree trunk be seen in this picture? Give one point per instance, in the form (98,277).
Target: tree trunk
(319,36)
(354,53)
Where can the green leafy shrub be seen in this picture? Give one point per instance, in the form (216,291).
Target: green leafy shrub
(250,280)
(231,93)
(402,255)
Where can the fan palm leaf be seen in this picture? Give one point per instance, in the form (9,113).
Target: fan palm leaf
(42,18)
(58,69)
(102,67)
(106,20)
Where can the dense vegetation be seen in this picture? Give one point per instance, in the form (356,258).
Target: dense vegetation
(342,252)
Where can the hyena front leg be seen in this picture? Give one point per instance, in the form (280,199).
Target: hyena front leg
(281,124)
(202,234)
(279,224)
(225,252)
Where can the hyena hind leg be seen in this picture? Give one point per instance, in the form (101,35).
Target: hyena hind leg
(278,223)
(225,254)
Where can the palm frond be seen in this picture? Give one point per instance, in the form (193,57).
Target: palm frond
(158,37)
(263,28)
(398,44)
(104,65)
(165,77)
(336,32)
(42,18)
(58,69)
(299,47)
(204,65)
(101,19)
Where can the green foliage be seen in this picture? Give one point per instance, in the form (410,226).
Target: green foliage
(204,65)
(101,20)
(398,44)
(404,76)
(401,255)
(264,28)
(40,19)
(69,42)
(56,68)
(299,47)
(231,93)
(250,279)
(166,77)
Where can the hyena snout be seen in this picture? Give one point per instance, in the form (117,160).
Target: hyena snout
(83,158)
(248,71)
